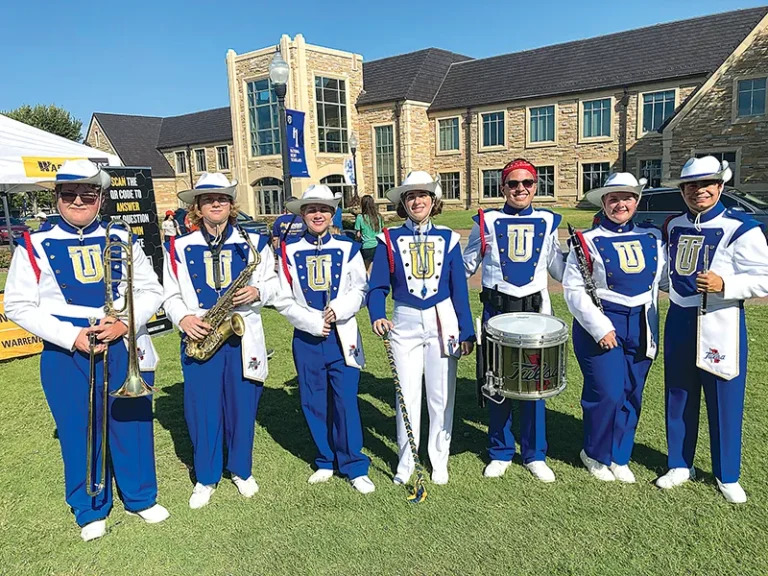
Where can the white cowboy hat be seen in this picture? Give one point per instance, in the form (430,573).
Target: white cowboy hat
(617,182)
(315,194)
(416,180)
(706,168)
(79,172)
(209,183)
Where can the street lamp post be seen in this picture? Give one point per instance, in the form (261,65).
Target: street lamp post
(353,142)
(278,75)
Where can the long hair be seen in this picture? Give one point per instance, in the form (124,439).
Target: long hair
(370,212)
(196,217)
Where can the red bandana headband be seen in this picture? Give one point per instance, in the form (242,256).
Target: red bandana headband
(518,165)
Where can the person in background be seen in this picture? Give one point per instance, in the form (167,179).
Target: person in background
(170,226)
(287,226)
(368,224)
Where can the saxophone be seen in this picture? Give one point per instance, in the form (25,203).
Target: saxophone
(224,323)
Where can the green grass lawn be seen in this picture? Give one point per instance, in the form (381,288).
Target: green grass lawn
(3,276)
(462,219)
(509,526)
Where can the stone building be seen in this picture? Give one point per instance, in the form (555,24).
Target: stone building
(640,101)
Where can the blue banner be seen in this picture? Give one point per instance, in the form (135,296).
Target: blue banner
(294,121)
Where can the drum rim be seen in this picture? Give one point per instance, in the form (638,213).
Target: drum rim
(543,340)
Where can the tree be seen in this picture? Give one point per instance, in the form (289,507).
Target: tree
(50,118)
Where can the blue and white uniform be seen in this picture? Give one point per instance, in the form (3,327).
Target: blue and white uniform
(221,394)
(710,351)
(315,274)
(522,250)
(56,308)
(431,319)
(627,267)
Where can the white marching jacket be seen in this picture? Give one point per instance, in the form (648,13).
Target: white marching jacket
(189,288)
(71,285)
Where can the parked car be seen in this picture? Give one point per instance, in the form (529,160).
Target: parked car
(17,229)
(248,223)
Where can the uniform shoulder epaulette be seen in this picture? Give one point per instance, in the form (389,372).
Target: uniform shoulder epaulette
(343,238)
(476,216)
(647,225)
(291,240)
(747,223)
(665,226)
(556,218)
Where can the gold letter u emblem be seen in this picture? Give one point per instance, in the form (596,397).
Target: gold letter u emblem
(631,257)
(86,263)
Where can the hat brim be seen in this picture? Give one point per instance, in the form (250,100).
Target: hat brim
(595,196)
(295,206)
(100,179)
(396,194)
(722,176)
(188,196)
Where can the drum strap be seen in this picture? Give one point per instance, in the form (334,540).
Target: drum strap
(585,250)
(504,303)
(390,254)
(481,225)
(31,254)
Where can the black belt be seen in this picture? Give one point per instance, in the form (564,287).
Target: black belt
(503,303)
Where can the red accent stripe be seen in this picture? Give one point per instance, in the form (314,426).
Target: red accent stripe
(665,227)
(284,262)
(481,224)
(585,250)
(31,253)
(172,255)
(390,255)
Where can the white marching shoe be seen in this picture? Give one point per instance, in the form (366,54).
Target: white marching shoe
(541,471)
(247,487)
(675,477)
(152,515)
(596,468)
(496,468)
(401,480)
(321,475)
(201,495)
(623,473)
(93,530)
(363,484)
(733,492)
(440,477)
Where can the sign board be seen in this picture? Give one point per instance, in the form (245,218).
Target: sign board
(15,342)
(294,122)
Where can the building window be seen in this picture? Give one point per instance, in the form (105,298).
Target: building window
(491,183)
(657,108)
(542,127)
(752,97)
(593,175)
(98,139)
(597,118)
(448,134)
(729,156)
(269,195)
(651,171)
(493,129)
(451,185)
(331,98)
(263,118)
(201,165)
(181,162)
(546,185)
(222,158)
(339,187)
(384,146)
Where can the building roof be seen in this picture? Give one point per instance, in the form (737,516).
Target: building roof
(679,49)
(135,140)
(413,76)
(196,128)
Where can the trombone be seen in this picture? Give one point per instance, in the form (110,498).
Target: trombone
(116,254)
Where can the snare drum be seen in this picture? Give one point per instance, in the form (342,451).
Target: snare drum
(525,355)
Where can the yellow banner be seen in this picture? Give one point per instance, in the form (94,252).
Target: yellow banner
(42,166)
(16,342)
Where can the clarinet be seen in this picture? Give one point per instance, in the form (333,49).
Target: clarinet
(586,273)
(703,307)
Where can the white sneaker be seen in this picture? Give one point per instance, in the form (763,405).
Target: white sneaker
(152,515)
(247,487)
(541,471)
(201,495)
(597,469)
(675,477)
(622,473)
(363,485)
(440,477)
(733,492)
(496,468)
(93,530)
(322,475)
(401,480)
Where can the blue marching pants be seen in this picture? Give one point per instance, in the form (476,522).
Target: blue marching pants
(533,429)
(220,406)
(328,390)
(683,382)
(131,450)
(613,384)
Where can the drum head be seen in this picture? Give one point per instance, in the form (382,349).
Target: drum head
(526,324)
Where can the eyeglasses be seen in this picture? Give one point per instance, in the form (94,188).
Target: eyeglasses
(311,209)
(85,197)
(527,183)
(211,199)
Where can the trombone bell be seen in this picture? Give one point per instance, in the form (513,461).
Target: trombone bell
(133,387)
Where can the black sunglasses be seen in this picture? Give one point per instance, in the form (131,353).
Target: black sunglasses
(527,183)
(85,197)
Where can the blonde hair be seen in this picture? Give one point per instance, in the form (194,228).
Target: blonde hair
(196,217)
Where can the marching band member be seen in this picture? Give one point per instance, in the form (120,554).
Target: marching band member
(432,323)
(222,391)
(323,285)
(517,248)
(616,323)
(55,284)
(717,258)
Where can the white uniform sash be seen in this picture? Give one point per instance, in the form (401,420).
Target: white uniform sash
(717,340)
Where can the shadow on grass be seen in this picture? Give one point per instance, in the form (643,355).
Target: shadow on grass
(169,411)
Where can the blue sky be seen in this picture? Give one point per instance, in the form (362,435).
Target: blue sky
(167,57)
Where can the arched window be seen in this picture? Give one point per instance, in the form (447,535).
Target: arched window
(338,185)
(269,195)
